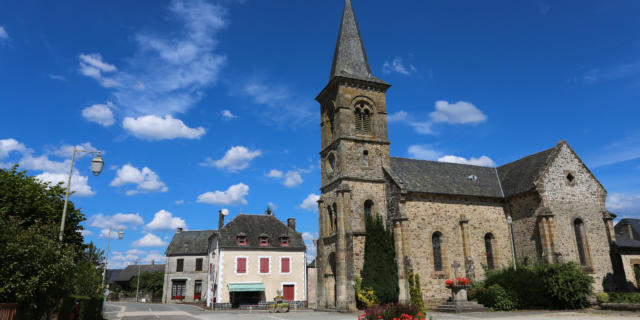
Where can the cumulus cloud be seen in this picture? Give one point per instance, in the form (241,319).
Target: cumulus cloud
(289,179)
(235,195)
(79,184)
(307,237)
(483,161)
(152,127)
(86,232)
(398,116)
(627,205)
(120,260)
(66,150)
(227,115)
(169,70)
(9,145)
(92,65)
(116,221)
(146,180)
(3,34)
(310,202)
(149,240)
(274,173)
(164,220)
(178,202)
(423,152)
(100,114)
(235,159)
(396,66)
(457,113)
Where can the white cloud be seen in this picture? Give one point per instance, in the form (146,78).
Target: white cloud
(398,67)
(310,202)
(178,202)
(86,232)
(104,233)
(235,195)
(483,161)
(9,145)
(152,127)
(457,113)
(145,180)
(116,221)
(57,77)
(3,34)
(283,106)
(626,204)
(628,148)
(289,179)
(79,184)
(170,71)
(92,65)
(100,114)
(66,150)
(149,240)
(423,152)
(307,237)
(235,159)
(120,260)
(398,116)
(164,220)
(227,115)
(423,127)
(272,205)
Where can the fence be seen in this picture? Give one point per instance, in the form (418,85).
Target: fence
(8,311)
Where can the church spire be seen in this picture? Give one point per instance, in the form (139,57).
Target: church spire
(349,58)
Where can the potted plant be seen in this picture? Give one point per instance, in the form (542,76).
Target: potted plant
(458,288)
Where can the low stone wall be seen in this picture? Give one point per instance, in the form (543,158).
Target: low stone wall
(621,306)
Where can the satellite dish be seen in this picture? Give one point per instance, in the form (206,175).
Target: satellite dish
(224,212)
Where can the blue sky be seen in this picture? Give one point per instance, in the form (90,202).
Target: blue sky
(203,105)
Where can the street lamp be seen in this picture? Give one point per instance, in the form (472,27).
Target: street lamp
(96,167)
(513,242)
(104,271)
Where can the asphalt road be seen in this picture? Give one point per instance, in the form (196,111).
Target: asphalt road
(141,311)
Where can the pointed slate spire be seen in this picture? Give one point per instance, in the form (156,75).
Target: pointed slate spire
(349,58)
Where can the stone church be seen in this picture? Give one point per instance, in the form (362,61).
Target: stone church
(447,219)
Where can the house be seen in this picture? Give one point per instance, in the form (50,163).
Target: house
(627,245)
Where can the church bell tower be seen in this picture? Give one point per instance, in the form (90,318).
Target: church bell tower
(354,152)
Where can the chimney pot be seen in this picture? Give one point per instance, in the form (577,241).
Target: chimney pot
(179,229)
(220,220)
(291,223)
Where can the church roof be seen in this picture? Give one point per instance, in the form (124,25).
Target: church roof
(622,241)
(254,226)
(520,175)
(446,178)
(349,58)
(190,243)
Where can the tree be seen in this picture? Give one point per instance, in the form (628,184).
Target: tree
(379,271)
(88,272)
(150,281)
(415,291)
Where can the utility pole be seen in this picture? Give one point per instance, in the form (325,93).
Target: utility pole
(138,285)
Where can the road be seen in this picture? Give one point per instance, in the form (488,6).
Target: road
(141,311)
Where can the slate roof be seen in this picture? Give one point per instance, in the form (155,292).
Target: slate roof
(519,176)
(190,243)
(254,226)
(622,241)
(112,275)
(350,58)
(446,178)
(132,270)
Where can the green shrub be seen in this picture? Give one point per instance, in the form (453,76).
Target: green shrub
(365,297)
(602,297)
(566,284)
(415,291)
(472,292)
(390,311)
(497,297)
(624,297)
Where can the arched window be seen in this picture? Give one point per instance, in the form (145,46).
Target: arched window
(488,246)
(368,205)
(334,217)
(366,121)
(332,162)
(365,158)
(578,227)
(436,242)
(331,117)
(358,116)
(362,118)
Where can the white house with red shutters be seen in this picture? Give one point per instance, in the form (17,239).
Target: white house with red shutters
(251,260)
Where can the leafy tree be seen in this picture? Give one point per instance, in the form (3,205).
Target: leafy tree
(88,272)
(379,271)
(416,292)
(150,281)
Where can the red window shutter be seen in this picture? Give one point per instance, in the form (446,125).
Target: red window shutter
(285,265)
(242,265)
(288,291)
(264,265)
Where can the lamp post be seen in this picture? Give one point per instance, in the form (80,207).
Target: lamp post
(513,242)
(104,271)
(96,167)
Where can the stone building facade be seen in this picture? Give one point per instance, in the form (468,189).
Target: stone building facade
(447,219)
(626,260)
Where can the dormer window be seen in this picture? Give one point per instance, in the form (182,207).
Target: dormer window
(284,241)
(242,240)
(264,241)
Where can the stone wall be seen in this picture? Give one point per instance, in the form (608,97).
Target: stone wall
(189,274)
(628,261)
(525,229)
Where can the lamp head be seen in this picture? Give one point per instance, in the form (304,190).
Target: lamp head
(120,234)
(224,212)
(96,165)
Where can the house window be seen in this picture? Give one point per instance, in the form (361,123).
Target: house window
(180,265)
(199,264)
(436,242)
(285,265)
(178,288)
(284,241)
(242,240)
(197,290)
(241,265)
(264,265)
(264,241)
(578,227)
(488,245)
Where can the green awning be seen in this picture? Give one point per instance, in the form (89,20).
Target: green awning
(246,287)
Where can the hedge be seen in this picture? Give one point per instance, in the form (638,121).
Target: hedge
(90,308)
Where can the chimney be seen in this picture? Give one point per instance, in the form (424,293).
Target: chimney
(291,223)
(179,229)
(220,220)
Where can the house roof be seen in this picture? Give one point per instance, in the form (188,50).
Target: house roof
(622,240)
(132,270)
(254,226)
(112,274)
(190,243)
(520,175)
(446,178)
